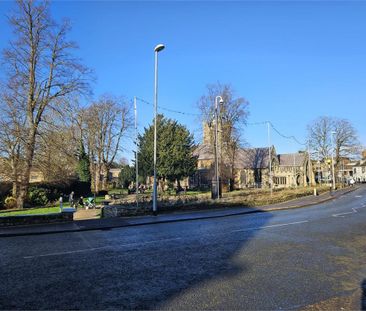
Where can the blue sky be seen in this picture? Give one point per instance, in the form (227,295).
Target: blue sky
(293,61)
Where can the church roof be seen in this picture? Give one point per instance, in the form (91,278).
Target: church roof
(252,158)
(204,152)
(245,157)
(291,159)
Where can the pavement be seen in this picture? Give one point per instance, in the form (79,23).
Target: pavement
(179,216)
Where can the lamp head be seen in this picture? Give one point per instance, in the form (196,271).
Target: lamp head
(159,47)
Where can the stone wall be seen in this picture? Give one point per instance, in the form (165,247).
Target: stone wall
(164,204)
(22,220)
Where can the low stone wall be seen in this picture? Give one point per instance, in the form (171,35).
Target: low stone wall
(145,208)
(120,211)
(22,220)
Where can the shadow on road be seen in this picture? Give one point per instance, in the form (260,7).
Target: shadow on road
(133,271)
(363,298)
(195,265)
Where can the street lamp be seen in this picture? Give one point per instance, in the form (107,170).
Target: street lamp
(269,158)
(95,179)
(331,144)
(157,49)
(217,99)
(319,168)
(136,154)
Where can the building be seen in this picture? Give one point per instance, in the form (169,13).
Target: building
(293,170)
(252,167)
(113,174)
(35,176)
(359,171)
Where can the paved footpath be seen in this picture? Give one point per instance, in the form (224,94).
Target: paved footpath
(109,223)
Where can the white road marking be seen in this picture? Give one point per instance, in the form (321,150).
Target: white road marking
(354,210)
(98,248)
(358,196)
(342,214)
(65,253)
(272,226)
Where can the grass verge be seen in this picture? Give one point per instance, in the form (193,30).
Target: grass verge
(31,211)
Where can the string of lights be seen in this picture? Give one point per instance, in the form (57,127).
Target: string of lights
(249,124)
(286,137)
(168,109)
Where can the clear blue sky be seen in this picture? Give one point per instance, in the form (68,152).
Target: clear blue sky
(293,61)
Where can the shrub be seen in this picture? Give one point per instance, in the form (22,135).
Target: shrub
(103,192)
(10,203)
(38,196)
(5,191)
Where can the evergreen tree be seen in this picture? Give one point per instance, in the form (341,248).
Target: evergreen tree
(175,147)
(127,176)
(83,168)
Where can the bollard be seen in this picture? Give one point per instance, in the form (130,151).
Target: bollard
(315,192)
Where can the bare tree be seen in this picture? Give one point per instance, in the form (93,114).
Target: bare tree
(106,122)
(233,114)
(55,154)
(332,136)
(40,73)
(319,132)
(11,142)
(345,140)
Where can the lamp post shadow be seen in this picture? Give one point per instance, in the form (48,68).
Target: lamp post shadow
(363,297)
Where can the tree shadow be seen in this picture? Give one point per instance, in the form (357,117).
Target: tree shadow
(208,260)
(143,275)
(363,297)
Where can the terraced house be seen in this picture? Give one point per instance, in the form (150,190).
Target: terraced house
(359,171)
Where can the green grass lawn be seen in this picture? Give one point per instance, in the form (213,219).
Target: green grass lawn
(31,211)
(117,191)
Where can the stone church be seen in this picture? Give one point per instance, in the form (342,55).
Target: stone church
(251,167)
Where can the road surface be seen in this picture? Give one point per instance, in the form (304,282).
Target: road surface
(308,258)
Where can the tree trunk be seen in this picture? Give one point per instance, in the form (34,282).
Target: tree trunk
(15,179)
(105,172)
(15,187)
(97,179)
(179,187)
(24,182)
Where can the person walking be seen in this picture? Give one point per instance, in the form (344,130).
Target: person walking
(352,182)
(72,199)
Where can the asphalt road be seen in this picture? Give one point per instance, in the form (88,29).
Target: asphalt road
(309,258)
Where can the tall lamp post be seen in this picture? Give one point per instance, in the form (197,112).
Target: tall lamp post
(157,49)
(217,100)
(95,180)
(319,168)
(136,154)
(331,143)
(269,158)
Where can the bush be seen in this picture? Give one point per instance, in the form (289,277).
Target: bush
(10,203)
(5,191)
(102,192)
(54,190)
(38,196)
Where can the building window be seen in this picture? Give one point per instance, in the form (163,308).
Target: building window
(279,180)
